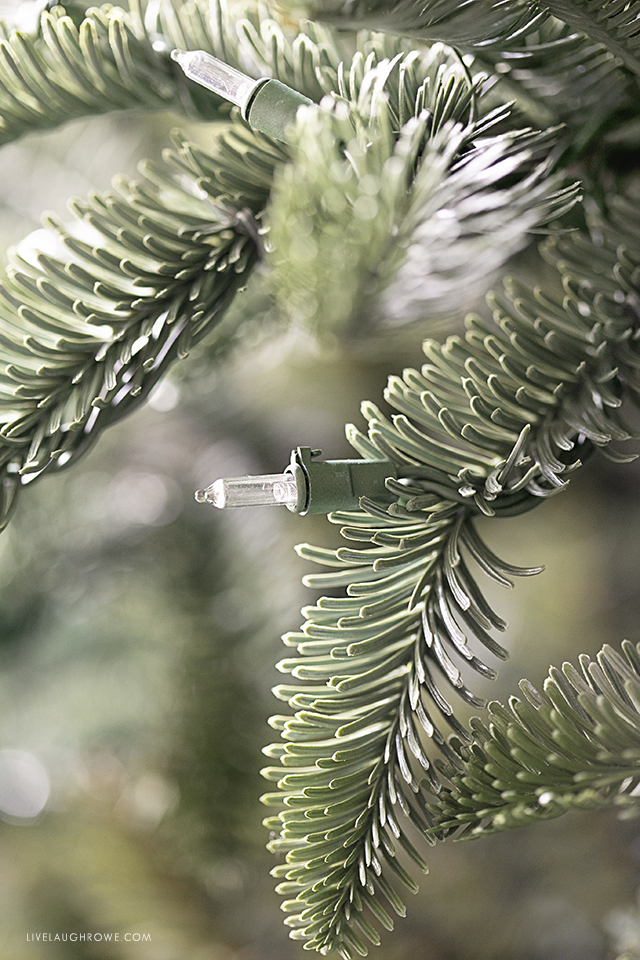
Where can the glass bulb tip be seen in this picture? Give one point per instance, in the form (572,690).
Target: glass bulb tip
(215,494)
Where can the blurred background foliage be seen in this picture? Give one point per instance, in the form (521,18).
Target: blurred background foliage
(138,633)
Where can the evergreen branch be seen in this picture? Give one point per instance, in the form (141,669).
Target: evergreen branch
(478,24)
(614,24)
(491,425)
(255,39)
(574,747)
(69,71)
(437,203)
(117,60)
(535,55)
(475,23)
(92,315)
(557,75)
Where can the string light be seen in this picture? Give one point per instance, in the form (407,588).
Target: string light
(267,105)
(308,485)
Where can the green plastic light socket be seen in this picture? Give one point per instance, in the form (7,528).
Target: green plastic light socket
(273,107)
(328,485)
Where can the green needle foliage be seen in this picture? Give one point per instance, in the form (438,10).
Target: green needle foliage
(580,65)
(120,59)
(434,190)
(425,166)
(68,72)
(95,312)
(90,325)
(478,23)
(573,747)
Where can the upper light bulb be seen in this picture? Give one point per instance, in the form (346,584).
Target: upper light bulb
(217,76)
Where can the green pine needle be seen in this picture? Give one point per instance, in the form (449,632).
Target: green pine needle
(577,68)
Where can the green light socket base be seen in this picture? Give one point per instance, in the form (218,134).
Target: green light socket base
(273,108)
(327,485)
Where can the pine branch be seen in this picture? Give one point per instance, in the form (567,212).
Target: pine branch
(557,75)
(535,55)
(479,24)
(574,747)
(400,192)
(438,201)
(492,425)
(93,314)
(476,23)
(256,39)
(612,23)
(69,71)
(116,60)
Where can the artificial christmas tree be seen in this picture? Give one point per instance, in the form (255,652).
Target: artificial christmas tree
(418,170)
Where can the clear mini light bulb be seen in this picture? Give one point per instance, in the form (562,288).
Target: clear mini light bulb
(273,489)
(217,76)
